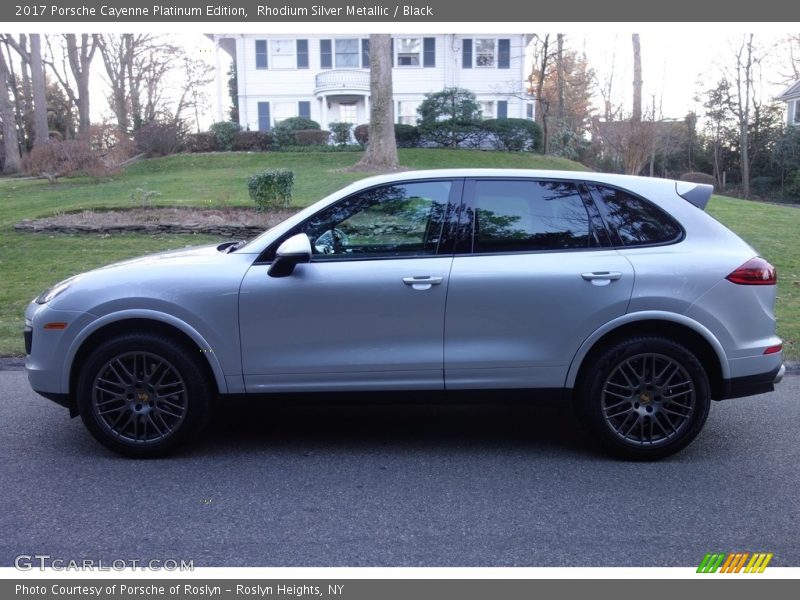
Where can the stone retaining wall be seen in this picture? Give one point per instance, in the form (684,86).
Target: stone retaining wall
(226,231)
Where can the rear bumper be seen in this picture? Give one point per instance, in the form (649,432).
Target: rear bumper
(751,385)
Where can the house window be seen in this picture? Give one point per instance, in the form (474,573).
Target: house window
(263,116)
(261,54)
(282,54)
(485,52)
(347,54)
(302,54)
(529,111)
(502,109)
(325,54)
(348,113)
(796,119)
(408,52)
(283,110)
(407,112)
(487,109)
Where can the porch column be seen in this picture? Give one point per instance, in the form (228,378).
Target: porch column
(218,80)
(366,107)
(324,123)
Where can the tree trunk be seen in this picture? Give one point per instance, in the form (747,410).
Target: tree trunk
(381,153)
(41,131)
(10,141)
(562,113)
(80,60)
(637,78)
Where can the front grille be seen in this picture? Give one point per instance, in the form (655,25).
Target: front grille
(28,334)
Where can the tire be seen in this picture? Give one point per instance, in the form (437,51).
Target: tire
(644,398)
(143,395)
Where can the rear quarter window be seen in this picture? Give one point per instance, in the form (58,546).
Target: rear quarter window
(633,221)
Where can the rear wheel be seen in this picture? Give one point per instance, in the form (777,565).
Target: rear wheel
(143,395)
(645,398)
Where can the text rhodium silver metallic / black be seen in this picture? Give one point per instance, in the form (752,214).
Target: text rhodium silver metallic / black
(619,295)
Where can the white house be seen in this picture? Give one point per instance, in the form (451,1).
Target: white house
(792,98)
(326,77)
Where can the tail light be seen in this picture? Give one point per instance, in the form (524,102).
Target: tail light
(755,271)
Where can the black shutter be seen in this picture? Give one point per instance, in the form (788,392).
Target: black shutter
(466,54)
(302,54)
(263,116)
(391,49)
(429,52)
(365,53)
(502,109)
(504,54)
(325,54)
(261,54)
(304,109)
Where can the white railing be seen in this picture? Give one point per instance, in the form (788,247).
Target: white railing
(342,80)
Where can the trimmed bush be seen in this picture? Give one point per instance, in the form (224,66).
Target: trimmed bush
(311,137)
(282,136)
(298,123)
(341,133)
(271,188)
(695,177)
(251,141)
(63,159)
(158,139)
(513,135)
(361,133)
(406,136)
(224,132)
(200,142)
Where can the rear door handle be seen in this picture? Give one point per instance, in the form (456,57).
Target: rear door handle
(424,282)
(602,276)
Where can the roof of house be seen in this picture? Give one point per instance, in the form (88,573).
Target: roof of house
(793,91)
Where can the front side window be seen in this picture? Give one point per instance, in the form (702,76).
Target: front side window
(484,52)
(526,216)
(348,54)
(282,54)
(634,221)
(388,221)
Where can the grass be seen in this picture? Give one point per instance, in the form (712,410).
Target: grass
(29,263)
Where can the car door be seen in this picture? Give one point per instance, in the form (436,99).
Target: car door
(533,277)
(368,311)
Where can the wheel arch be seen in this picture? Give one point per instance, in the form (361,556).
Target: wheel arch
(681,329)
(140,321)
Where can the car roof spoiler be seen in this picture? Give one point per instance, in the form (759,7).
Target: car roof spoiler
(695,193)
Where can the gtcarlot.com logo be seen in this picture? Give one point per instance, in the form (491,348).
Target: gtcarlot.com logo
(735,562)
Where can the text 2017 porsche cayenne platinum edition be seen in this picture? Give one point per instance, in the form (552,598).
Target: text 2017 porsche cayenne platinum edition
(618,294)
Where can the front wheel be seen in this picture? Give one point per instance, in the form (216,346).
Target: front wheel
(142,395)
(645,398)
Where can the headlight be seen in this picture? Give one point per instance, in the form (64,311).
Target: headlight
(54,291)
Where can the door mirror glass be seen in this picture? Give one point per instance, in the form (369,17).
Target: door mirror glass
(292,252)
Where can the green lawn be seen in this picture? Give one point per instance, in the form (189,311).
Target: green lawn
(29,263)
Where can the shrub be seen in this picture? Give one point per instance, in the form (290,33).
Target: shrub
(271,188)
(406,136)
(793,185)
(361,133)
(695,177)
(341,133)
(62,159)
(513,135)
(113,145)
(764,185)
(449,117)
(224,132)
(282,136)
(200,142)
(251,141)
(298,123)
(311,137)
(158,139)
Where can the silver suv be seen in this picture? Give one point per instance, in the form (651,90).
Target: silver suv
(617,294)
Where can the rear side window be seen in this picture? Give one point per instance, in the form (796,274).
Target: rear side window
(520,216)
(634,221)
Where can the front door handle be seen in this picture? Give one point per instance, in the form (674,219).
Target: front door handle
(424,282)
(602,277)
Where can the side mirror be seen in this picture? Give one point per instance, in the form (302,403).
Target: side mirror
(292,252)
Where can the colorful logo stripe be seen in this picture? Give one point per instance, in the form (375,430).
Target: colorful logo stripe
(734,562)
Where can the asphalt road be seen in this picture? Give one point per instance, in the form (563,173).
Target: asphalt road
(400,486)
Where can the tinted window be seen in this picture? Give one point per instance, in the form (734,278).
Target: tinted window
(518,216)
(635,221)
(393,220)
